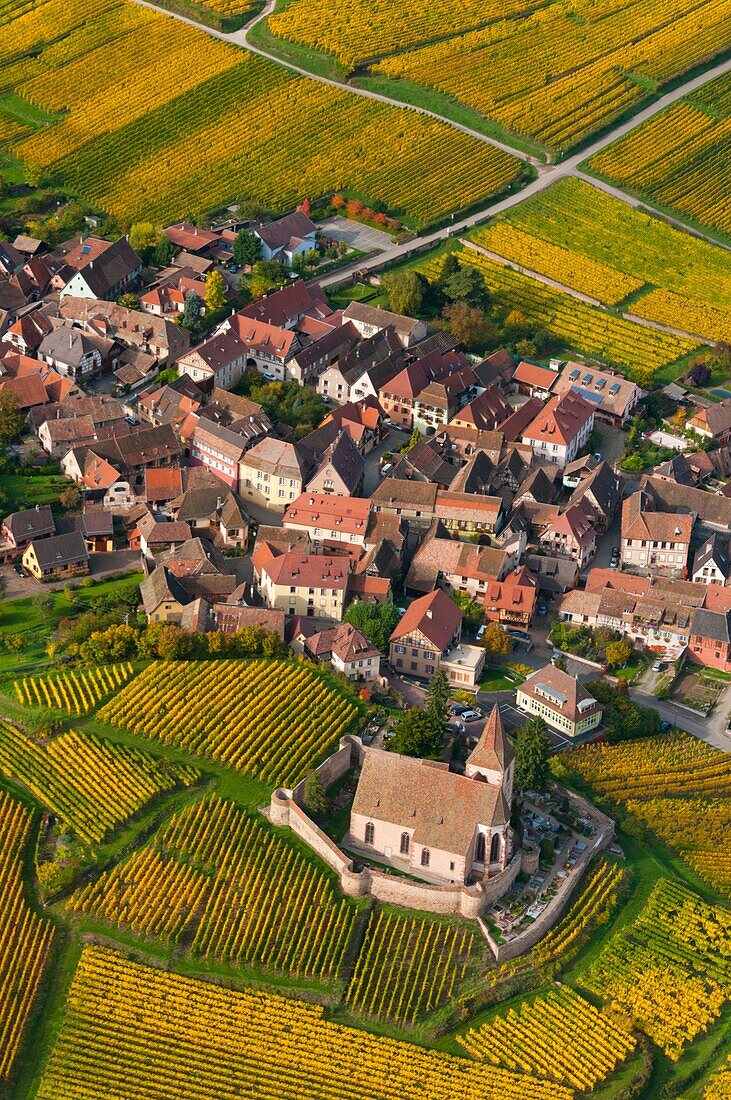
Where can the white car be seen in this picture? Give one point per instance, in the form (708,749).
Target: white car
(481,632)
(386,470)
(470,715)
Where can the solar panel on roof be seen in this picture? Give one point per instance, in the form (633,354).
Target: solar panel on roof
(574,374)
(85,250)
(615,387)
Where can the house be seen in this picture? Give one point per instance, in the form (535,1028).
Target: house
(171,296)
(213,513)
(294,306)
(329,520)
(598,495)
(230,618)
(21,528)
(102,269)
(469,514)
(712,511)
(152,535)
(428,638)
(57,557)
(237,345)
(113,327)
(310,585)
(290,236)
(709,643)
(564,704)
(322,354)
(570,534)
(340,471)
(424,462)
(273,473)
(615,398)
(347,650)
(362,371)
(554,575)
(163,596)
(485,412)
(441,562)
(27,332)
(398,393)
(58,437)
(510,601)
(97,526)
(370,320)
(659,541)
(191,238)
(72,353)
(711,562)
(713,422)
(413,500)
(363,421)
(219,449)
(534,381)
(422,818)
(29,391)
(439,401)
(561,429)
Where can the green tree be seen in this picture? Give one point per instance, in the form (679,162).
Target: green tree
(414,735)
(164,251)
(532,749)
(472,612)
(144,238)
(315,797)
(405,291)
(437,703)
(191,316)
(312,257)
(618,653)
(14,643)
(246,248)
(376,621)
(496,641)
(466,284)
(11,419)
(129,301)
(266,275)
(215,292)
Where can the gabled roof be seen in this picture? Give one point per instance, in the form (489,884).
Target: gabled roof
(328,512)
(712,625)
(436,616)
(439,808)
(531,375)
(162,585)
(59,550)
(561,419)
(30,523)
(346,461)
(713,550)
(276,235)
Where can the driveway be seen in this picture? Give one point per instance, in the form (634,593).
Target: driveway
(355,235)
(393,440)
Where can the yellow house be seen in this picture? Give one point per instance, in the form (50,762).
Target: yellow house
(57,557)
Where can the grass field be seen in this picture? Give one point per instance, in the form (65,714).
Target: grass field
(174,132)
(681,159)
(587,240)
(589,63)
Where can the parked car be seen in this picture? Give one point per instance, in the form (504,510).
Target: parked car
(597,456)
(614,563)
(665,726)
(470,715)
(458,709)
(481,632)
(386,470)
(543,608)
(657,666)
(459,726)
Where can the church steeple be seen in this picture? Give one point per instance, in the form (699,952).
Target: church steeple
(493,755)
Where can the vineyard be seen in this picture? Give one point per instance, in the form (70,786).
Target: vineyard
(681,158)
(175,129)
(671,969)
(89,784)
(408,966)
(221,881)
(128,1028)
(594,906)
(560,1036)
(76,692)
(668,783)
(24,938)
(589,63)
(593,243)
(639,352)
(273,719)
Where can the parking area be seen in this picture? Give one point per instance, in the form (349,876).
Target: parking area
(355,235)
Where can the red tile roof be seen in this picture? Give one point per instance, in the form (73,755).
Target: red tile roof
(436,616)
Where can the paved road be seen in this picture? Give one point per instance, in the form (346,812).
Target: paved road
(711,729)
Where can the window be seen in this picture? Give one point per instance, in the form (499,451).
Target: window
(404,848)
(414,666)
(369,832)
(425,859)
(451,866)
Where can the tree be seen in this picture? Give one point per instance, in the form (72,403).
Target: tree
(144,238)
(312,257)
(191,315)
(215,292)
(496,641)
(70,498)
(266,275)
(623,719)
(405,291)
(618,653)
(437,703)
(414,439)
(414,735)
(129,301)
(376,621)
(532,748)
(466,284)
(315,797)
(15,642)
(246,248)
(472,612)
(164,251)
(11,419)
(469,325)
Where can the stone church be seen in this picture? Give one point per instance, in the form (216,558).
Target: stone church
(440,826)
